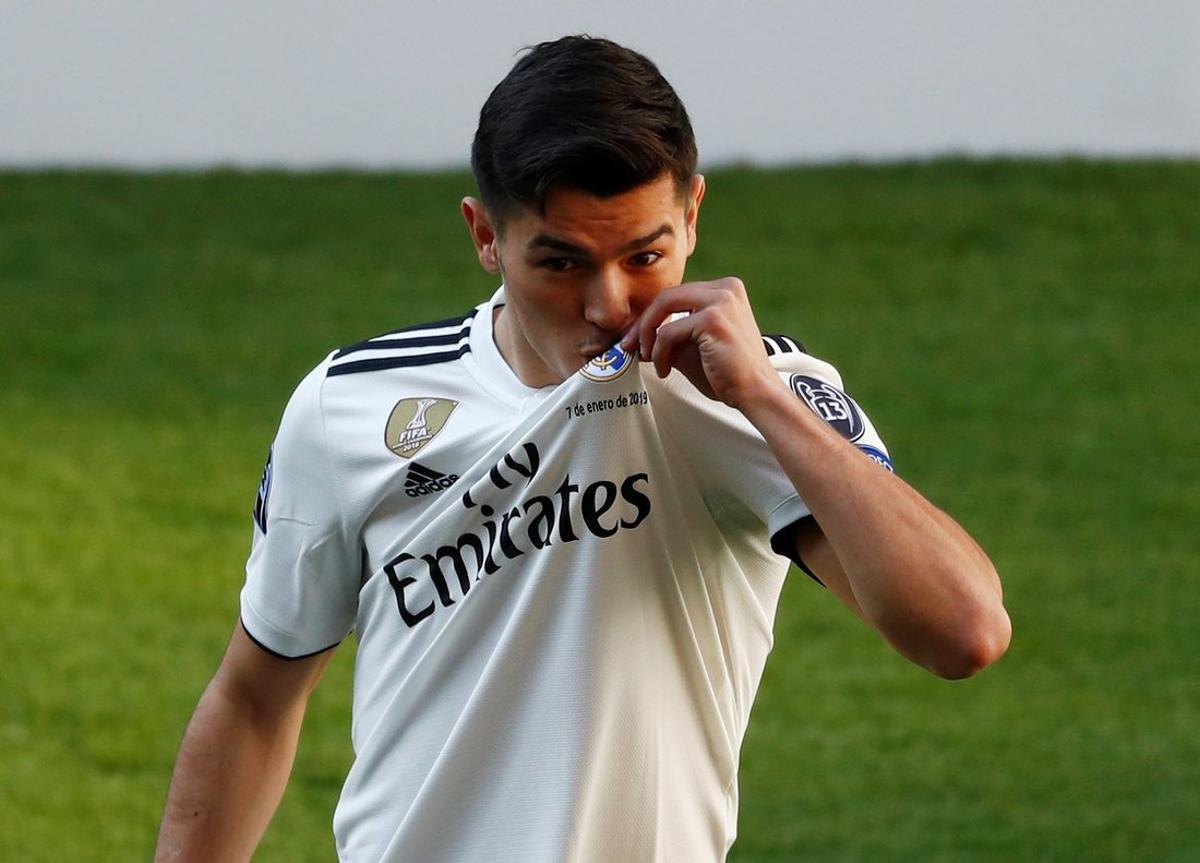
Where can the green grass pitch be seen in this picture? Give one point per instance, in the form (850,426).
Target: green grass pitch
(1024,335)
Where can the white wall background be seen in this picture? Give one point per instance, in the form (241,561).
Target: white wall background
(302,82)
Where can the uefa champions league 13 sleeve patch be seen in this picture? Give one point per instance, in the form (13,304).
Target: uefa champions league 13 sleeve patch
(608,366)
(831,405)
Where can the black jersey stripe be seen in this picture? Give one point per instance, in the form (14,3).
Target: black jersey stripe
(435,325)
(410,342)
(414,339)
(379,363)
(780,344)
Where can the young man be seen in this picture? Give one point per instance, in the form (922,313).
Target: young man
(556,524)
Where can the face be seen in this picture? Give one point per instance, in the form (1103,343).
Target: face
(579,275)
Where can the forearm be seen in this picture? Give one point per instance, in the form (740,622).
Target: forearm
(915,574)
(229,777)
(901,563)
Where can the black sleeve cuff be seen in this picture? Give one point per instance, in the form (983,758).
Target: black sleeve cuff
(784,543)
(278,655)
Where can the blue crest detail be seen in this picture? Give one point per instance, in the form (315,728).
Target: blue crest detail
(606,366)
(878,456)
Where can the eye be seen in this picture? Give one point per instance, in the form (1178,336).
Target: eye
(645,259)
(557,265)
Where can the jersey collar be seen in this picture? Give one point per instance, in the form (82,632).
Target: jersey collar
(488,362)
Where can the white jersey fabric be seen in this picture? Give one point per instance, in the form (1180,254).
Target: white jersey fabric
(563,597)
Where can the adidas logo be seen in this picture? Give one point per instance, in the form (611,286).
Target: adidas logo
(421,480)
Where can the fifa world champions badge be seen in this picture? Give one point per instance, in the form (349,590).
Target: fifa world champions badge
(415,422)
(608,366)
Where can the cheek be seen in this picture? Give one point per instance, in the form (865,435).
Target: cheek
(658,280)
(547,309)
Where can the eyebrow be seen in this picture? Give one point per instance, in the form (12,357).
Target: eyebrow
(547,241)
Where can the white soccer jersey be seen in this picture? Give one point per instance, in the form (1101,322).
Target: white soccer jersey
(563,597)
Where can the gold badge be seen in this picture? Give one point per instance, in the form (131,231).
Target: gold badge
(415,422)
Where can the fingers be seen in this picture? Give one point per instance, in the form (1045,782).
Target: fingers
(693,297)
(671,336)
(683,298)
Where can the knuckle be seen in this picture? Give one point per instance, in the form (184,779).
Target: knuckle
(716,319)
(733,285)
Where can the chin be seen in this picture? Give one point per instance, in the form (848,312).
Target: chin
(575,364)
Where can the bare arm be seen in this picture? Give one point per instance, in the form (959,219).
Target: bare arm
(237,754)
(902,564)
(893,557)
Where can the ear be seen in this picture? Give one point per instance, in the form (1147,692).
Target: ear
(483,233)
(695,196)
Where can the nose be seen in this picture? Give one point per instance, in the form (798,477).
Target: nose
(606,301)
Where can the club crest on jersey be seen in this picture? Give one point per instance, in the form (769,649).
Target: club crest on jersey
(608,366)
(831,405)
(415,422)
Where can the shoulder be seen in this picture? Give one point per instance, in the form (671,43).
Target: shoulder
(819,385)
(344,377)
(777,344)
(792,360)
(416,345)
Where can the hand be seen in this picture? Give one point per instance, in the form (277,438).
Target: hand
(716,343)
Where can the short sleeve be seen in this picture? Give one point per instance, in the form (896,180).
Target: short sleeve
(302,576)
(731,457)
(819,386)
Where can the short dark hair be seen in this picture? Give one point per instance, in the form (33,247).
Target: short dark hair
(579,112)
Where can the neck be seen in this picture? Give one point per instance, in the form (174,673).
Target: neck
(516,351)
